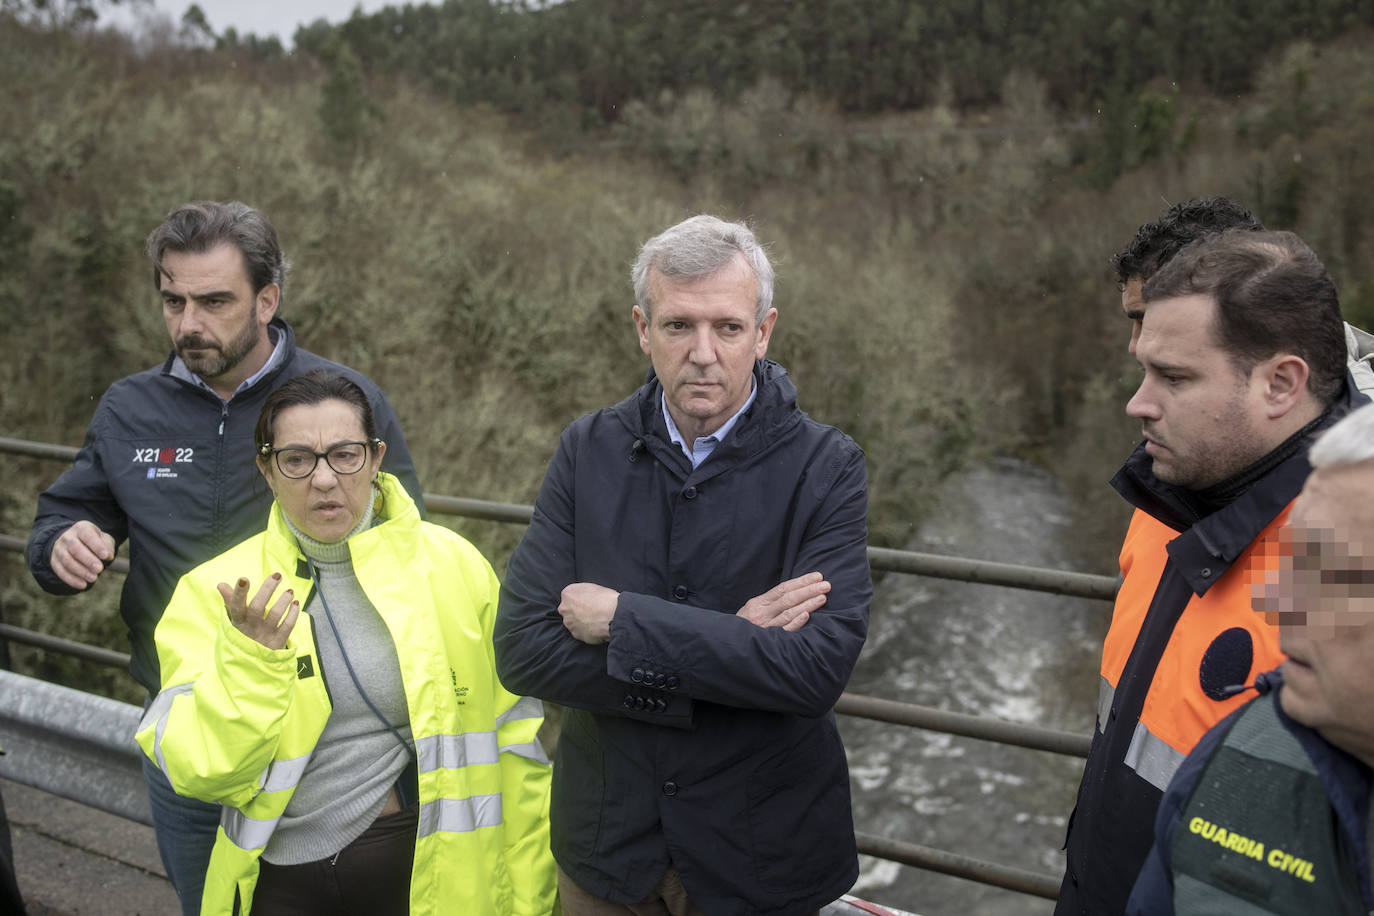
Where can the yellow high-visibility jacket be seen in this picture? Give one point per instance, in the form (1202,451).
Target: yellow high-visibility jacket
(236,722)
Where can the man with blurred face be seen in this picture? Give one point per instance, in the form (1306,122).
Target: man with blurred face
(1271,811)
(168,459)
(694,590)
(1242,351)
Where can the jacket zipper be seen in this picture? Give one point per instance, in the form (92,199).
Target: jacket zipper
(217,521)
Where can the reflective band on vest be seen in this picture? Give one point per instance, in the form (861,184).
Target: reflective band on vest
(449,752)
(281,775)
(459,815)
(157,713)
(246,832)
(1152,759)
(524,708)
(530,750)
(1105,694)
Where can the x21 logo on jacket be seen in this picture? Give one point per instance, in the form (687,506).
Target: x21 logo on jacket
(161,458)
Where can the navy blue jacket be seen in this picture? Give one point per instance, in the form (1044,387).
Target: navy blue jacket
(1347,783)
(694,736)
(170,467)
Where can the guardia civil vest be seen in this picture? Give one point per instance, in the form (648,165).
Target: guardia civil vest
(1258,834)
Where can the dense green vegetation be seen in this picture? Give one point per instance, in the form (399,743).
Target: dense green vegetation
(866,56)
(941,251)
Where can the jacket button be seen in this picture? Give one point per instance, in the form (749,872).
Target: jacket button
(629,701)
(680,593)
(672,683)
(648,679)
(670,788)
(660,680)
(639,702)
(1206,572)
(637,675)
(690,492)
(659,706)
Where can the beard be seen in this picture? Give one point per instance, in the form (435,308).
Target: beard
(215,358)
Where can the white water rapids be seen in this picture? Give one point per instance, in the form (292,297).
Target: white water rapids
(1022,656)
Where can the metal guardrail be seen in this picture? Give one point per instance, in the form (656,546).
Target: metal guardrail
(985,572)
(1009,575)
(80,746)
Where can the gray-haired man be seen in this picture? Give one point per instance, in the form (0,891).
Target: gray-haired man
(168,459)
(694,587)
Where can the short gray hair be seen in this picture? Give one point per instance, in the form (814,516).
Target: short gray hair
(1349,441)
(695,249)
(196,227)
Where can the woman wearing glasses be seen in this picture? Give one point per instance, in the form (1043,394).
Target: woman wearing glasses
(330,682)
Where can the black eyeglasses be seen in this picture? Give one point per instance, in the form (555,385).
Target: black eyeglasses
(344,458)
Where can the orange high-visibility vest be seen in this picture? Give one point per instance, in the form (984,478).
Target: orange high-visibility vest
(1177,710)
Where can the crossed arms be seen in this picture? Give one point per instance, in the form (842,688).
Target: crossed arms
(566,634)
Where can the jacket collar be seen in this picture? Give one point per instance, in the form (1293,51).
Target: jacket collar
(288,352)
(396,526)
(773,412)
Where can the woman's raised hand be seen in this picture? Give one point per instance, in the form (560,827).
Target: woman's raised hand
(254,619)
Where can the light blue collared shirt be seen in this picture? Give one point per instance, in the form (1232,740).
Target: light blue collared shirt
(180,370)
(704,446)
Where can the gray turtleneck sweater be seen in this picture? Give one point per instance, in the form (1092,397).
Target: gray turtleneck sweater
(357,759)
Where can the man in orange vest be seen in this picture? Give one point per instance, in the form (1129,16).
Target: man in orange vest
(1243,351)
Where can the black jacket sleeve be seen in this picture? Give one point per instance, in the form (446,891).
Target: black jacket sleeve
(81,493)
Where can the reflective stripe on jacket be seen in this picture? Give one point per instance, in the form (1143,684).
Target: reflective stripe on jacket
(236,722)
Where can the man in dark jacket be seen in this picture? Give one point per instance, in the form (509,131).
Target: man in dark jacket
(1271,811)
(694,588)
(1243,352)
(168,459)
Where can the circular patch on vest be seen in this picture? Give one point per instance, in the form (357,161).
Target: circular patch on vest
(1226,662)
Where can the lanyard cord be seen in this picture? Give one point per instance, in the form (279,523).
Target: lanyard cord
(349,665)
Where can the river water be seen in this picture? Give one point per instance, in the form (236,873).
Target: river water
(1016,655)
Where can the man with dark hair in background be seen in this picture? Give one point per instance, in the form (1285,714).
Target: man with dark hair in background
(694,588)
(168,459)
(1181,225)
(1155,243)
(1243,352)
